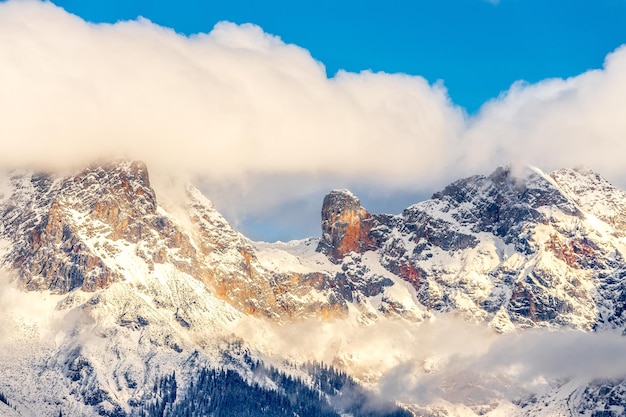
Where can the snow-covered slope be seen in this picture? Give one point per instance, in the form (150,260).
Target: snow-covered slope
(105,290)
(133,292)
(532,251)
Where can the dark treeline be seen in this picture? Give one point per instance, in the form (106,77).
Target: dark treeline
(3,399)
(224,393)
(346,395)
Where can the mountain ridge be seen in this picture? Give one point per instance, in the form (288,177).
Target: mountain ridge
(137,291)
(508,212)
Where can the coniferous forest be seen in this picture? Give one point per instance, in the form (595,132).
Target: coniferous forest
(225,393)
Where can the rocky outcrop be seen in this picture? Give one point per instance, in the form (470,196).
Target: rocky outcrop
(118,195)
(56,259)
(346,226)
(504,247)
(63,229)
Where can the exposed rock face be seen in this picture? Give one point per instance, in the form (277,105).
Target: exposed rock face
(64,239)
(58,260)
(104,224)
(47,253)
(238,277)
(346,225)
(504,248)
(594,195)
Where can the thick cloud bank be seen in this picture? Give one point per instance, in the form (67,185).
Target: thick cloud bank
(246,112)
(508,367)
(231,103)
(446,358)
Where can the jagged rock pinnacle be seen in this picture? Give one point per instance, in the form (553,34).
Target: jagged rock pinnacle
(345,226)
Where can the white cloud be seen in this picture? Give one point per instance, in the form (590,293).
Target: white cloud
(508,367)
(26,314)
(557,123)
(229,104)
(238,106)
(446,358)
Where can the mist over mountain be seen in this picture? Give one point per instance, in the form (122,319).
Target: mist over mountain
(501,295)
(260,126)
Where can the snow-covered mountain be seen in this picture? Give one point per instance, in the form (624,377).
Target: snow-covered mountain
(117,302)
(538,251)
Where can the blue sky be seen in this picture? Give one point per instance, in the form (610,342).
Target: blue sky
(392,99)
(477,48)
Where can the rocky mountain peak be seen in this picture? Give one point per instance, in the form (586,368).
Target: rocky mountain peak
(53,222)
(346,226)
(117,193)
(103,225)
(127,182)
